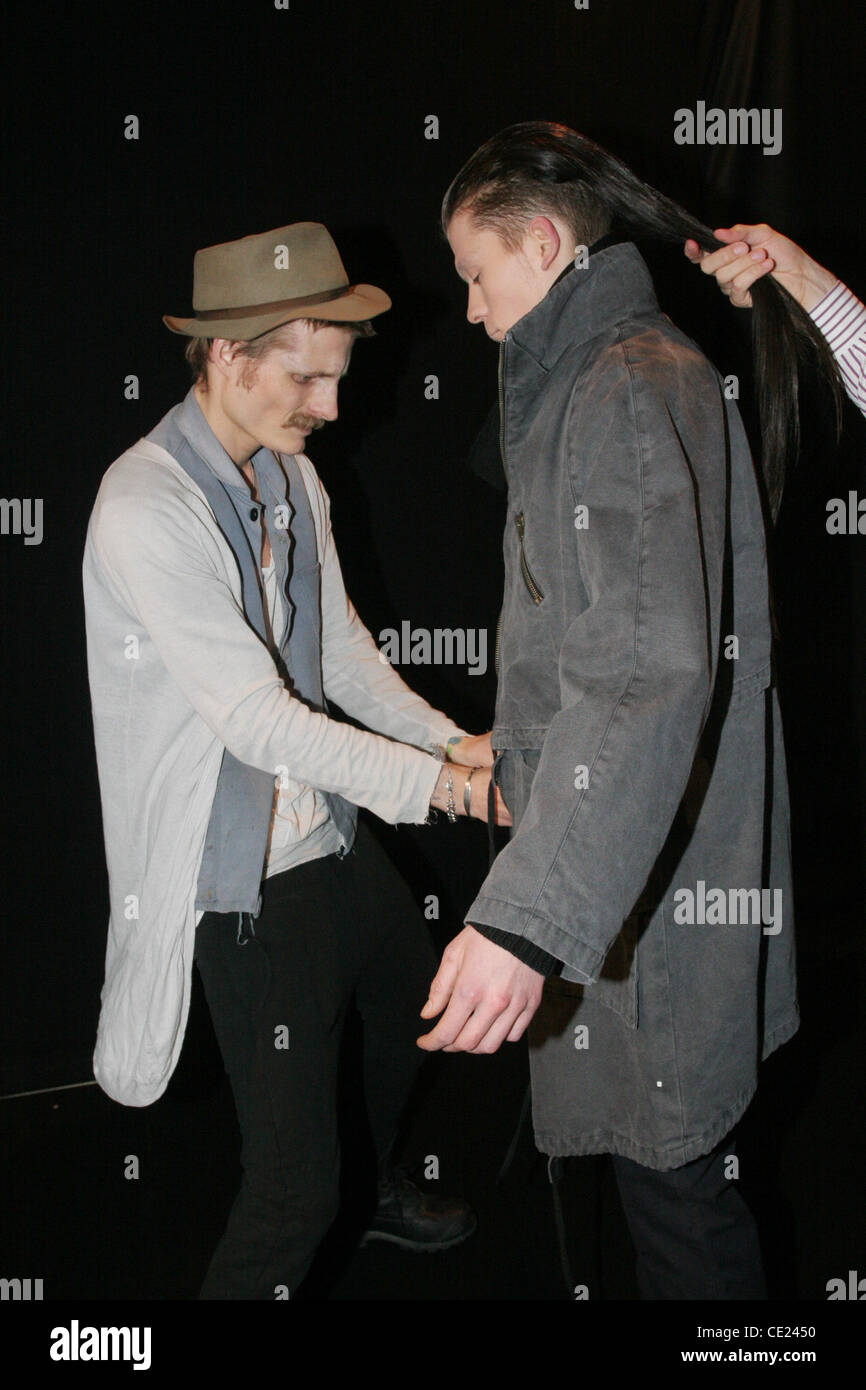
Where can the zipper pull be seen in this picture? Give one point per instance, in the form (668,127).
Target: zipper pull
(535,593)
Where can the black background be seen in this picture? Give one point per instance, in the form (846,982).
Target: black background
(253,117)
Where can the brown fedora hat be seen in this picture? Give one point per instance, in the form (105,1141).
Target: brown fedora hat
(244,288)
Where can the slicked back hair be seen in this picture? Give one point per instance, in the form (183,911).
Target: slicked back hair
(540,168)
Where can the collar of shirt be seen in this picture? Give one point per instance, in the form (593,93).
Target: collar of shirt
(192,423)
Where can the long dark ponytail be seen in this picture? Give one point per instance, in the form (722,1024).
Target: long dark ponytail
(539,166)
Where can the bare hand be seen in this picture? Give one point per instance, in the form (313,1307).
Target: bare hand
(490,997)
(473,751)
(753,251)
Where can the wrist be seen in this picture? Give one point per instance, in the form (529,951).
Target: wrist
(520,946)
(467,793)
(450,808)
(817,284)
(443,792)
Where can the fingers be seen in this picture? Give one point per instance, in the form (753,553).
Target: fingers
(503,815)
(736,266)
(711,262)
(751,233)
(734,237)
(521,1023)
(738,255)
(738,287)
(498,1019)
(737,233)
(737,270)
(483,1035)
(443,981)
(478,1021)
(450,1024)
(491,997)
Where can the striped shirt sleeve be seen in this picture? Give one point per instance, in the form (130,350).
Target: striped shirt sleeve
(842,319)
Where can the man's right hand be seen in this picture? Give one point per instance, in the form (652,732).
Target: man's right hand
(478,792)
(753,251)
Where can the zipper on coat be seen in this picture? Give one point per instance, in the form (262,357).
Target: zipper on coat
(534,591)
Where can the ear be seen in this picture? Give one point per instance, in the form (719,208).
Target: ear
(222,356)
(545,241)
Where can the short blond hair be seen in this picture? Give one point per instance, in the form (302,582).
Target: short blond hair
(197,350)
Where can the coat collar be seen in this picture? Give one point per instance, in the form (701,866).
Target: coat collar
(616,284)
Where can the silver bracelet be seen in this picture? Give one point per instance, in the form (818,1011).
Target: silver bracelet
(450,809)
(467,792)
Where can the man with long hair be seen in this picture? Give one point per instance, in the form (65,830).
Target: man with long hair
(639,921)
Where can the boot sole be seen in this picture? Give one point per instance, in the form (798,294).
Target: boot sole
(423,1247)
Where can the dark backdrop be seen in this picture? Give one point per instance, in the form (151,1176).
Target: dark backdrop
(251,117)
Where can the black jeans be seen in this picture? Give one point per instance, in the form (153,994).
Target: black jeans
(329,930)
(694,1236)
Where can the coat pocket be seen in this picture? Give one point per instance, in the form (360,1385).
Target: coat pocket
(617,985)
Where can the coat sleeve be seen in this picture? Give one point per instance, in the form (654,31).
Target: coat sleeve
(637,663)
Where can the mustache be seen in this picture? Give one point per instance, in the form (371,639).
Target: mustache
(304,422)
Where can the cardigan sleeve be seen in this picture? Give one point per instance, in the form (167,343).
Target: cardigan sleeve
(164,555)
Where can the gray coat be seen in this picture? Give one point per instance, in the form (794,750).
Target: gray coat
(637,727)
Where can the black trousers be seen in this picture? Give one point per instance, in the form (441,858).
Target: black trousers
(693,1234)
(329,930)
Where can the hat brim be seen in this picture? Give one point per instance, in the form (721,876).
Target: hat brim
(349,305)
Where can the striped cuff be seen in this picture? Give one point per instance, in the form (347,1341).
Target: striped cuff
(841,317)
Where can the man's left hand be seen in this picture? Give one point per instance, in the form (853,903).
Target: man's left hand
(489,993)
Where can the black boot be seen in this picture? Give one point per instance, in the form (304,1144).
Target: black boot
(417,1220)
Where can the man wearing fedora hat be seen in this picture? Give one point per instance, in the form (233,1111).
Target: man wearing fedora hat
(218,629)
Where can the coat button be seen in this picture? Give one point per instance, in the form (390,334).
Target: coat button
(254,513)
